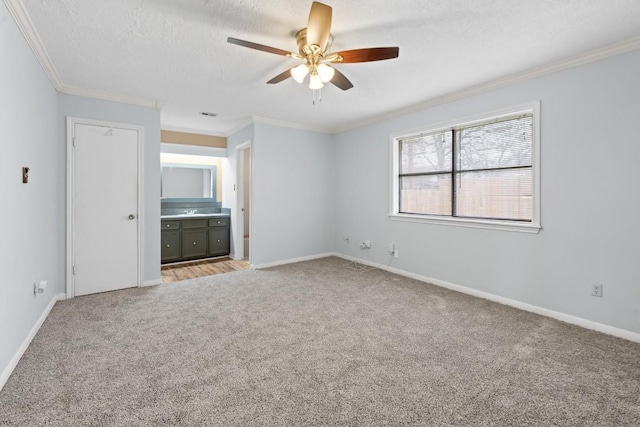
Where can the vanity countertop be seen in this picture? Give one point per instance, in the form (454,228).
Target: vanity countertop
(194,216)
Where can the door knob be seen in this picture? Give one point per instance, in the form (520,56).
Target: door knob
(132,217)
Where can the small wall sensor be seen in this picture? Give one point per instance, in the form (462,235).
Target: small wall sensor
(25,175)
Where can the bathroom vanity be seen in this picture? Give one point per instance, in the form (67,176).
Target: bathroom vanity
(193,229)
(188,237)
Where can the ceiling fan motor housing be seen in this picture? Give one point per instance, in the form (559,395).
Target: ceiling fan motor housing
(303,46)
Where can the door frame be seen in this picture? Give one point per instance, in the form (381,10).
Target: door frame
(238,246)
(71,122)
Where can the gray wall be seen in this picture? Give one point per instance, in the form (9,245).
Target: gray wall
(149,118)
(590,200)
(28,213)
(292,191)
(292,185)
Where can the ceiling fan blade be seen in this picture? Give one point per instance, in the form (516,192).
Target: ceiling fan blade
(257,46)
(280,77)
(341,80)
(319,26)
(367,55)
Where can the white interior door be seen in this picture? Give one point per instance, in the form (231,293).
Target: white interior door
(105,208)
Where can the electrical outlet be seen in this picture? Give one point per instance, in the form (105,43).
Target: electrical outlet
(39,288)
(367,244)
(396,254)
(596,290)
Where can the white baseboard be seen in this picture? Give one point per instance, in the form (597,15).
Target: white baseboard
(25,344)
(151,282)
(567,318)
(292,260)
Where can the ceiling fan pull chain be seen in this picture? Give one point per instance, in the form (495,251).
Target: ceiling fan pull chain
(313,96)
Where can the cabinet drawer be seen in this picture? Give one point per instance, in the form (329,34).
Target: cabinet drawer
(222,222)
(194,223)
(170,225)
(170,241)
(194,243)
(219,241)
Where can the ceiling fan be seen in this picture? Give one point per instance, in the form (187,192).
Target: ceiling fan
(314,43)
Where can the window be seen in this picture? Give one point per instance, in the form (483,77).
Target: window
(482,172)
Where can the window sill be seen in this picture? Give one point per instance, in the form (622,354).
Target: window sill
(471,223)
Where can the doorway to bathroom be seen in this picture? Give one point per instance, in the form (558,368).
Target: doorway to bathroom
(243,211)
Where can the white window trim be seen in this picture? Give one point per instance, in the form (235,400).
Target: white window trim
(525,227)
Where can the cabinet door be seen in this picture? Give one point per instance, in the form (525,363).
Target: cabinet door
(219,241)
(170,241)
(194,243)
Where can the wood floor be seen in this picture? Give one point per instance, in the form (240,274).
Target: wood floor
(191,270)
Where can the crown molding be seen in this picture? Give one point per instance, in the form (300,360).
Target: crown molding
(290,125)
(276,123)
(574,61)
(24,23)
(237,128)
(106,96)
(571,62)
(223,134)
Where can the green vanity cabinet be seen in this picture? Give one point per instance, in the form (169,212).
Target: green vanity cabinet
(218,236)
(193,238)
(170,241)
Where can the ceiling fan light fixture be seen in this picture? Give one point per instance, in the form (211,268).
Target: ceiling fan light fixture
(300,72)
(315,82)
(325,72)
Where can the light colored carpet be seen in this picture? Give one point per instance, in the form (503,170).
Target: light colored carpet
(316,344)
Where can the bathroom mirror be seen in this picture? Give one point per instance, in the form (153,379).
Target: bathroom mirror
(188,181)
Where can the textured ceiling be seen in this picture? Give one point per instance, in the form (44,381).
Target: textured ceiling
(175,52)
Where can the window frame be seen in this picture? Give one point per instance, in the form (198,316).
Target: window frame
(533,226)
